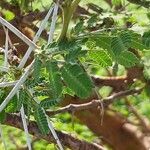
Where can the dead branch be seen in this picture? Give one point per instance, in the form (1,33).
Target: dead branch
(95,103)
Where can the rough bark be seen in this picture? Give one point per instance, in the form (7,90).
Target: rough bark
(66,139)
(113,129)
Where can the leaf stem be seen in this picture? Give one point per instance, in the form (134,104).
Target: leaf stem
(68,10)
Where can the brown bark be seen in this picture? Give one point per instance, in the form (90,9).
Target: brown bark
(113,129)
(66,139)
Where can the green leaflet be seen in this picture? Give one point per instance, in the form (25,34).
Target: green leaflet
(47,103)
(41,119)
(12,106)
(26,100)
(136,41)
(128,59)
(121,42)
(103,41)
(146,39)
(2,116)
(78,28)
(101,57)
(77,80)
(73,55)
(55,79)
(30,83)
(117,2)
(37,68)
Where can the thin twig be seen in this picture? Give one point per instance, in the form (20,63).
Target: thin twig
(6,48)
(95,103)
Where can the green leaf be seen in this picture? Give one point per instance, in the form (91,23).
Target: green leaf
(47,103)
(136,41)
(37,68)
(74,54)
(79,27)
(121,42)
(92,20)
(90,44)
(77,80)
(146,39)
(103,41)
(128,59)
(68,91)
(101,57)
(117,2)
(2,116)
(12,106)
(41,119)
(54,79)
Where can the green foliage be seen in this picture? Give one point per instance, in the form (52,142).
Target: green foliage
(128,59)
(11,107)
(103,41)
(37,68)
(117,2)
(2,116)
(100,57)
(55,83)
(77,80)
(78,27)
(120,42)
(146,39)
(41,119)
(48,103)
(136,41)
(62,68)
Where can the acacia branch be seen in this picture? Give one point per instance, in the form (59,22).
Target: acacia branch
(66,139)
(95,103)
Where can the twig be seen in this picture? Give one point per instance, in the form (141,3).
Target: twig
(95,103)
(6,48)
